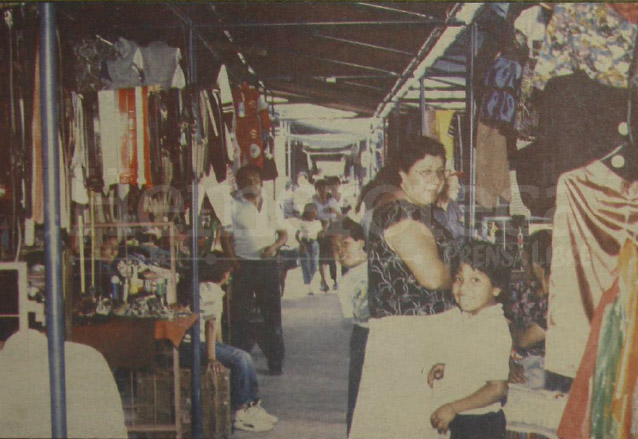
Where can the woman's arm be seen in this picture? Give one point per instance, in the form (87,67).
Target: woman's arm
(414,243)
(529,336)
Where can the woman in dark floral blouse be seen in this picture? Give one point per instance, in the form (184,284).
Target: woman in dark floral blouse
(408,273)
(527,311)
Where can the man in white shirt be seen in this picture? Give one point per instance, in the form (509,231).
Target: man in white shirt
(251,236)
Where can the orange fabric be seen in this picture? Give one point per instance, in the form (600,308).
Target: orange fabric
(627,10)
(122,102)
(36,133)
(575,421)
(174,330)
(147,141)
(622,406)
(129,342)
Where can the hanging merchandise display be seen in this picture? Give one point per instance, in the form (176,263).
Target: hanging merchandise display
(602,399)
(155,64)
(596,211)
(502,90)
(125,136)
(588,37)
(492,167)
(215,133)
(251,120)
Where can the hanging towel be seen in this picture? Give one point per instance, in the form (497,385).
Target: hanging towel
(124,136)
(492,176)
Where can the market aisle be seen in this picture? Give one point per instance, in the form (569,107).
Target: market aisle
(310,397)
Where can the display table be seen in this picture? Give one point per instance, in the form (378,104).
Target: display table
(533,413)
(130,343)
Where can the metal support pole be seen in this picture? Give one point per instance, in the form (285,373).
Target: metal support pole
(196,376)
(422,105)
(471,120)
(53,246)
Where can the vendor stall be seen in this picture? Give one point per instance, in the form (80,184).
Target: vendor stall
(125,125)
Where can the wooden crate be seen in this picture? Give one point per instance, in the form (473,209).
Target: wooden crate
(216,410)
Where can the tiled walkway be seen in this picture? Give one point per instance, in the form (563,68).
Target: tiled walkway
(310,397)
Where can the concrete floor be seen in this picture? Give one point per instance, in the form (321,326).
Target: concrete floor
(310,397)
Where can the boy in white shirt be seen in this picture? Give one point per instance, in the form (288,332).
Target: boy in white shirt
(348,242)
(248,413)
(476,368)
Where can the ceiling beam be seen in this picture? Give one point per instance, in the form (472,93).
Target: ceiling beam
(429,18)
(357,84)
(321,24)
(362,44)
(296,53)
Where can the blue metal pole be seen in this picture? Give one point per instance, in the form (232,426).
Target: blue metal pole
(471,114)
(53,246)
(196,392)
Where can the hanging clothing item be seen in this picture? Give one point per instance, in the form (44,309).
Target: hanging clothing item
(442,120)
(37,173)
(590,37)
(492,166)
(79,162)
(215,133)
(578,122)
(125,136)
(502,90)
(225,90)
(251,119)
(156,64)
(531,26)
(606,407)
(596,211)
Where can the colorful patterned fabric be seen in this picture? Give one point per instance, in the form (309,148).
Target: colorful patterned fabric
(393,289)
(525,307)
(590,37)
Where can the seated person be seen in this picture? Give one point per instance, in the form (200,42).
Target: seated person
(475,370)
(249,415)
(93,403)
(527,312)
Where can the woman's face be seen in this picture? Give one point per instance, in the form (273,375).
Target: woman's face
(425,180)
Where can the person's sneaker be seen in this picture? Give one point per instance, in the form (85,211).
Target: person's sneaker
(335,286)
(262,413)
(249,419)
(324,287)
(310,291)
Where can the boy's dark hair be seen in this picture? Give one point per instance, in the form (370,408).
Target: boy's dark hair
(488,258)
(214,267)
(321,183)
(333,180)
(347,227)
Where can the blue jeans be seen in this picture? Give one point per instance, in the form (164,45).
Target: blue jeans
(244,387)
(309,260)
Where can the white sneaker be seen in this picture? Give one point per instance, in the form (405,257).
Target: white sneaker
(249,420)
(262,413)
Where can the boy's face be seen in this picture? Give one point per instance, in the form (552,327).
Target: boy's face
(350,253)
(473,289)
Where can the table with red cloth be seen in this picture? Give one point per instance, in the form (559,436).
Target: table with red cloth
(129,343)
